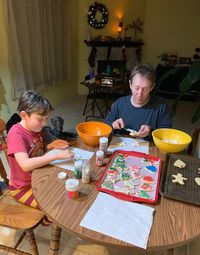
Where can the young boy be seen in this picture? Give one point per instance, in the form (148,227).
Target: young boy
(25,146)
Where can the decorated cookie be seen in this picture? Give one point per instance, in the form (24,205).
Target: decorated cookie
(125,175)
(107,185)
(145,160)
(112,172)
(179,178)
(144,194)
(179,163)
(130,183)
(134,168)
(122,186)
(147,179)
(119,160)
(146,187)
(150,161)
(151,169)
(136,174)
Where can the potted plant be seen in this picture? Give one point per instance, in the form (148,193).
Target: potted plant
(190,84)
(137,26)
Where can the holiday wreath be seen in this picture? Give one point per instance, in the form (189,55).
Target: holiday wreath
(95,22)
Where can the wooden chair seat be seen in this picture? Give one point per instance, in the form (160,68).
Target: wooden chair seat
(16,215)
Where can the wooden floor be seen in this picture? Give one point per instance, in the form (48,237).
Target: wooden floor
(70,245)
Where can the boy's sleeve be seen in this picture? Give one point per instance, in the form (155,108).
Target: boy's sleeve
(15,142)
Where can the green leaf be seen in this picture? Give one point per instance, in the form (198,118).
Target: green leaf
(194,72)
(185,85)
(196,115)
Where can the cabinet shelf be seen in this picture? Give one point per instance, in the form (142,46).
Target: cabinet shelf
(113,44)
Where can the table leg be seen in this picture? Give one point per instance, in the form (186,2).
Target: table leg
(170,252)
(55,240)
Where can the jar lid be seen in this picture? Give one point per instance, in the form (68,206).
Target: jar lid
(78,163)
(103,140)
(99,153)
(62,175)
(71,184)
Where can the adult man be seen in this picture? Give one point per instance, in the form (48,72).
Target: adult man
(140,111)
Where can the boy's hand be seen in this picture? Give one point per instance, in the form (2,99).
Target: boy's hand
(65,154)
(57,144)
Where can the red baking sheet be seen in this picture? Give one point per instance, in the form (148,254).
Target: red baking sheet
(131,176)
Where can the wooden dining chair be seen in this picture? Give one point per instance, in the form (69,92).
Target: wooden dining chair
(4,167)
(194,147)
(18,216)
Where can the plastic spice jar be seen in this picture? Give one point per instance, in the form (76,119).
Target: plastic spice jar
(99,158)
(103,144)
(71,186)
(78,169)
(86,171)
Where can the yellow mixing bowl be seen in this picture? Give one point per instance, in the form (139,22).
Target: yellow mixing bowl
(171,140)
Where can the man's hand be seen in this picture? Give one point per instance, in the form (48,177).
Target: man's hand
(118,124)
(58,144)
(144,131)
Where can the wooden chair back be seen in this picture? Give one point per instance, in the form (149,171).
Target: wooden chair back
(18,216)
(194,147)
(2,125)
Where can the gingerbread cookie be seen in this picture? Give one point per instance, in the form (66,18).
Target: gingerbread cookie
(179,178)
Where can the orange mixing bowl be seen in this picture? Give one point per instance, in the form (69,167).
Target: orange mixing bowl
(90,132)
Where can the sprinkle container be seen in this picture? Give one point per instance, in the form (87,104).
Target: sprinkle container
(71,186)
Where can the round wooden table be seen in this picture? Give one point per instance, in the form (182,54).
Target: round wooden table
(175,223)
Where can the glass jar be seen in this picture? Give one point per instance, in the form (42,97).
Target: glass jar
(86,171)
(78,169)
